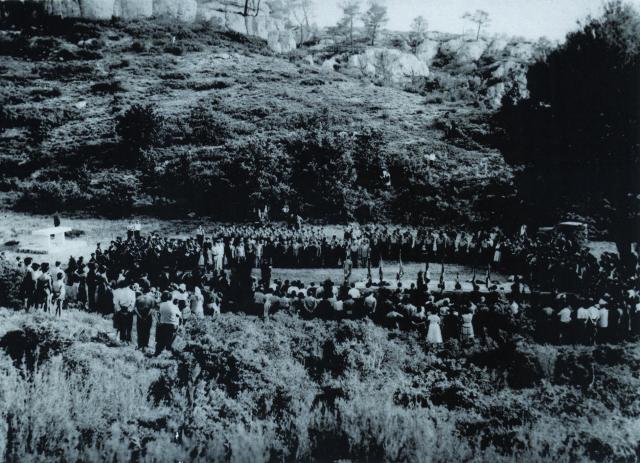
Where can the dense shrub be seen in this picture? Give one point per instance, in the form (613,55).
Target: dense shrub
(240,389)
(207,126)
(576,134)
(139,127)
(10,279)
(113,194)
(323,173)
(49,196)
(108,87)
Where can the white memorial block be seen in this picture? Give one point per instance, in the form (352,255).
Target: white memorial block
(52,238)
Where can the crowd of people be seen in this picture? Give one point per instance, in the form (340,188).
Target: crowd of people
(151,279)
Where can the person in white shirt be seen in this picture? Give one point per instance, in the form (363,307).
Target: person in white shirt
(592,323)
(124,301)
(353,292)
(565,324)
(603,323)
(169,317)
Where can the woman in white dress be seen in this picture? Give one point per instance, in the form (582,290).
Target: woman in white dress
(434,335)
(197,303)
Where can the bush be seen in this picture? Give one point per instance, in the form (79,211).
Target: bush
(114,194)
(50,196)
(139,127)
(207,126)
(10,279)
(108,87)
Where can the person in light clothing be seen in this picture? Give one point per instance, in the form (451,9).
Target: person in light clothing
(124,301)
(467,324)
(434,335)
(169,317)
(603,323)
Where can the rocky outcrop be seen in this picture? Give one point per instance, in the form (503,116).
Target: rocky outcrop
(184,10)
(225,14)
(389,64)
(229,15)
(428,50)
(463,50)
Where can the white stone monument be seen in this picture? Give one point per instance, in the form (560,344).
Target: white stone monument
(52,238)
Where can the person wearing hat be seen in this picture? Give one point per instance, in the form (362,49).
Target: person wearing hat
(169,318)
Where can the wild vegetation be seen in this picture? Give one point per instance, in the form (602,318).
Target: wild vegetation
(243,389)
(582,116)
(160,114)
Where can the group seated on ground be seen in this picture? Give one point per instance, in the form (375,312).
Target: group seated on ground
(123,281)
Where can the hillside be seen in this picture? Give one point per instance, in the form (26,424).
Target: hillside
(242,389)
(65,83)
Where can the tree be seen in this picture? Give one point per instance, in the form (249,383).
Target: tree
(374,18)
(575,139)
(418,33)
(350,11)
(480,18)
(302,11)
(139,127)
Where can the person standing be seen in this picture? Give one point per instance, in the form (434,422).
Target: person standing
(43,288)
(144,309)
(265,272)
(603,323)
(196,302)
(168,321)
(124,300)
(434,335)
(92,283)
(347,268)
(565,324)
(58,289)
(467,324)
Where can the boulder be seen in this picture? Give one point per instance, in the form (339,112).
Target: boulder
(522,51)
(133,9)
(497,46)
(451,47)
(184,10)
(329,65)
(64,8)
(472,50)
(287,41)
(398,65)
(494,95)
(427,51)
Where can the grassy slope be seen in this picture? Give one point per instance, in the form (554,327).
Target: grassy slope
(263,93)
(248,390)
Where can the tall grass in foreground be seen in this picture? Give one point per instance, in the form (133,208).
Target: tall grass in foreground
(244,390)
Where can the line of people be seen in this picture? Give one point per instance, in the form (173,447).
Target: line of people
(133,296)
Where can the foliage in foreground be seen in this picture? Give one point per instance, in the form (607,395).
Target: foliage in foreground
(247,390)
